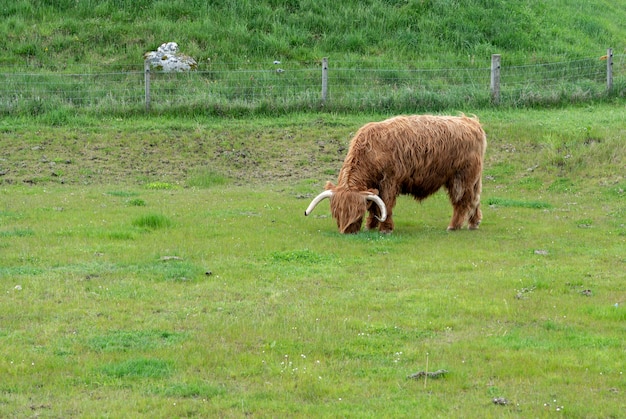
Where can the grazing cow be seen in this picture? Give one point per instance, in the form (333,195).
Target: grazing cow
(414,155)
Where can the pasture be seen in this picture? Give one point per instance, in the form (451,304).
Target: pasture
(164,268)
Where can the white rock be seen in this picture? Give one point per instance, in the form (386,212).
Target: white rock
(167,59)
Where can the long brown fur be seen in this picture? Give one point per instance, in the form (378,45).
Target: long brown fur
(414,155)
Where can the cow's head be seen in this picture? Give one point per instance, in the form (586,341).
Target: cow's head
(348,207)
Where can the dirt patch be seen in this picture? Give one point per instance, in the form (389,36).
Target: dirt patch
(75,157)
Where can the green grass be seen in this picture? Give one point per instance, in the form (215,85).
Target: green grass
(224,300)
(64,33)
(152,221)
(203,178)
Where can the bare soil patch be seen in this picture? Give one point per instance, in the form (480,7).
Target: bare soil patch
(75,157)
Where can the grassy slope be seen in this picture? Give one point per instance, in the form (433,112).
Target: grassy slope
(583,142)
(118,31)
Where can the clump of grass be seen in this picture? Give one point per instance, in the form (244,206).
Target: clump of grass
(137,202)
(177,271)
(120,235)
(301,256)
(562,185)
(152,221)
(206,178)
(18,232)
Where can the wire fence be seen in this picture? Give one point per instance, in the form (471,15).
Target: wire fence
(225,88)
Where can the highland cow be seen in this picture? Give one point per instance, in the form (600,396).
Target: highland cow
(413,155)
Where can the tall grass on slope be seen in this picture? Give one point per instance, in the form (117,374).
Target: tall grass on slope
(62,33)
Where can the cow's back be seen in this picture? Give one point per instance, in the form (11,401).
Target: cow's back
(420,153)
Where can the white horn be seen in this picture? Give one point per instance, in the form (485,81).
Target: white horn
(381,205)
(316,200)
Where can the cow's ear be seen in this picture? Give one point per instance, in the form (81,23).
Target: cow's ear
(329,186)
(374,191)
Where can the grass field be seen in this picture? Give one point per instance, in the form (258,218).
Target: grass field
(162,266)
(169,272)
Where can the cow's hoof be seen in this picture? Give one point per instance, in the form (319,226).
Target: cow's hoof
(386,231)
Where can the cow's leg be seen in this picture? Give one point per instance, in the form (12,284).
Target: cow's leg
(461,199)
(458,216)
(475,218)
(387,226)
(475,215)
(390,201)
(371,222)
(389,198)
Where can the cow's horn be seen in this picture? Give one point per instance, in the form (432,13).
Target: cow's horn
(317,199)
(381,205)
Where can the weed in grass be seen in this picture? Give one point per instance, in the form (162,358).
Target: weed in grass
(160,185)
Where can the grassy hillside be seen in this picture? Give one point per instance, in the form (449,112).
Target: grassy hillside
(46,32)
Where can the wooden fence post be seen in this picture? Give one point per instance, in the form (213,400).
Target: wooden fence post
(146,76)
(324,79)
(609,69)
(495,78)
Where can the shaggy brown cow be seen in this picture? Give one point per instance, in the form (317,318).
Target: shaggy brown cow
(414,155)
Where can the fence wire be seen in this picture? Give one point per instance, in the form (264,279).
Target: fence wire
(228,87)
